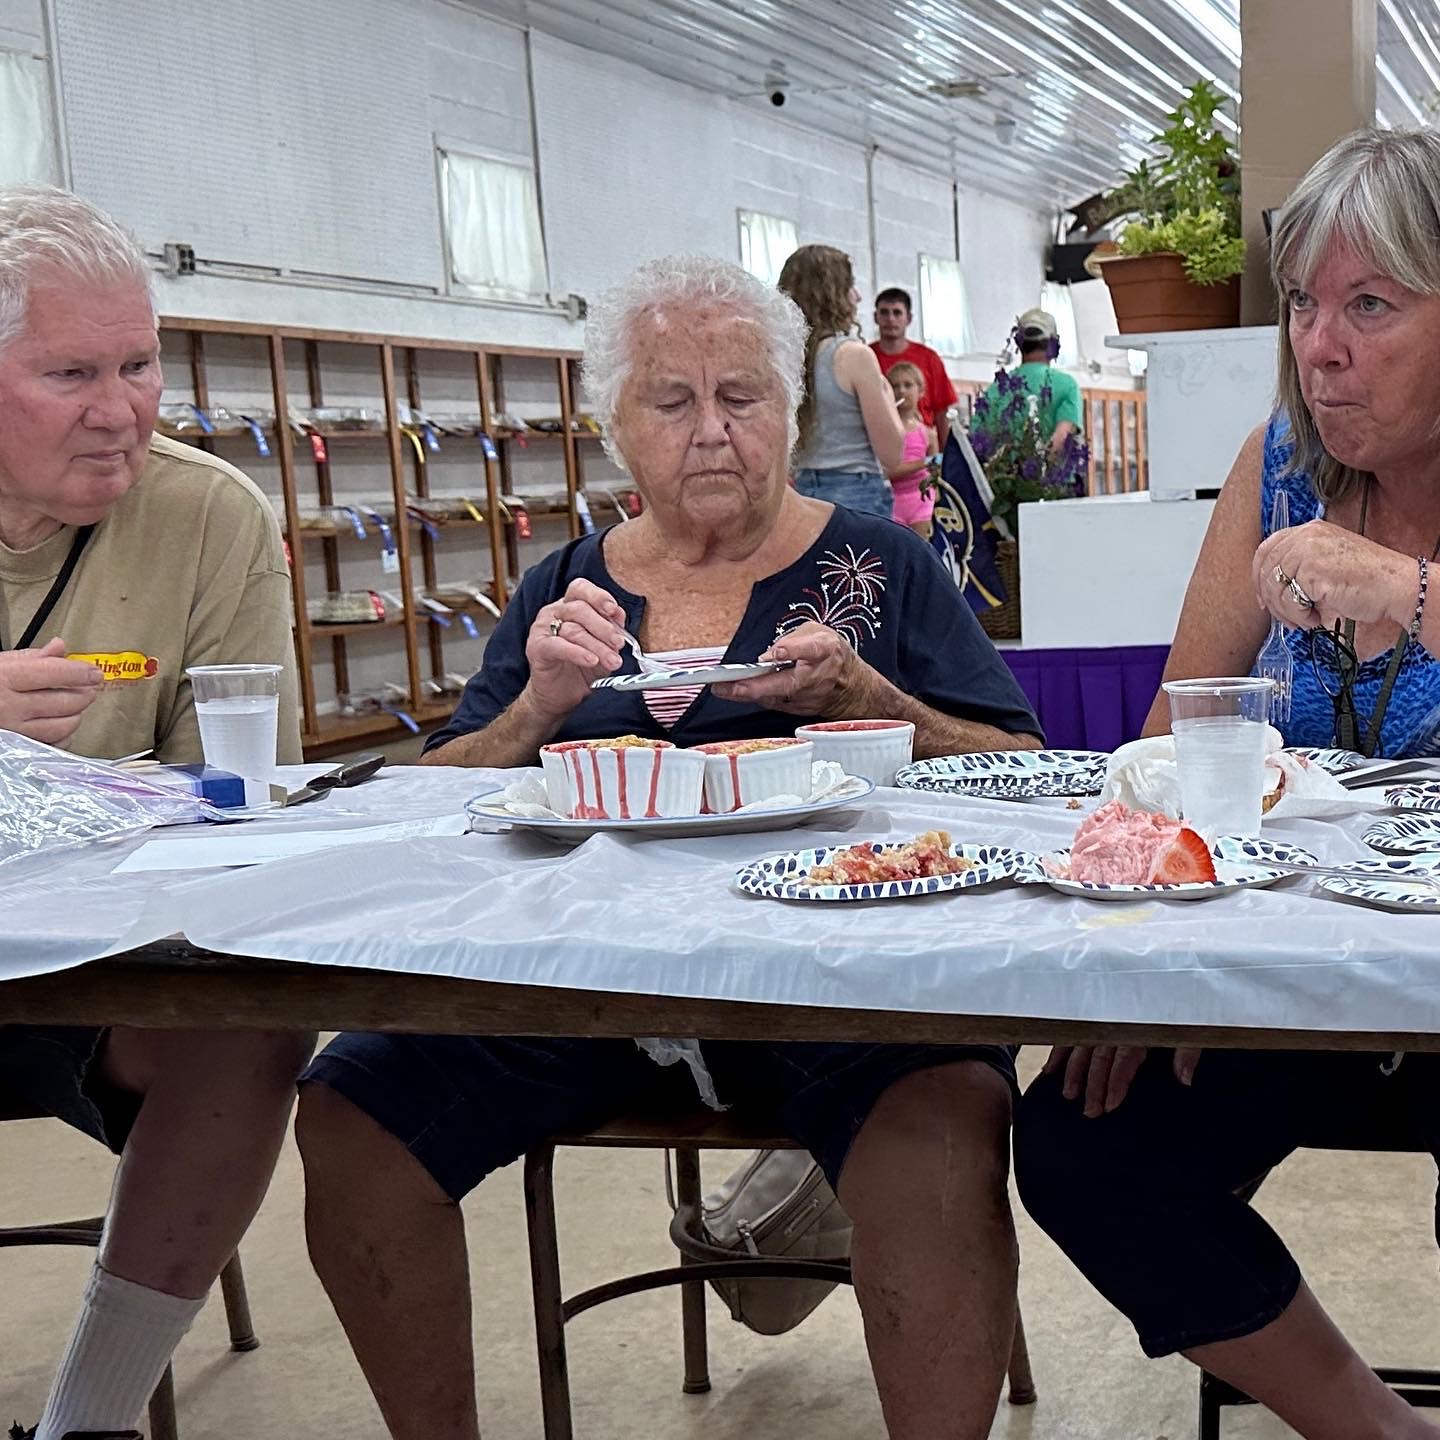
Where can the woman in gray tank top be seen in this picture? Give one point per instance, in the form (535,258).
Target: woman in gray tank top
(850,433)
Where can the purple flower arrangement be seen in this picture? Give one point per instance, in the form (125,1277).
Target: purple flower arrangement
(1017,459)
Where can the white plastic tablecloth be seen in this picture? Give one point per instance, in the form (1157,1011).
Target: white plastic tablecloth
(662,917)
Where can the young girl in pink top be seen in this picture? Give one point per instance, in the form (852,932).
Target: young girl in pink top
(912,507)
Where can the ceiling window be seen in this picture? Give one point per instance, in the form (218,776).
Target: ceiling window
(27,146)
(766,243)
(493,238)
(944,306)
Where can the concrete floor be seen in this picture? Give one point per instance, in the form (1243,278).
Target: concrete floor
(1360,1225)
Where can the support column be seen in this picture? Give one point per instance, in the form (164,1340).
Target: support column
(1307,77)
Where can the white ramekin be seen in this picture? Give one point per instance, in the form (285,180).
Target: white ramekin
(593,780)
(872,749)
(735,776)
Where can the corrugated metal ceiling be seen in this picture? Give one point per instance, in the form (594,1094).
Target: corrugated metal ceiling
(1069,90)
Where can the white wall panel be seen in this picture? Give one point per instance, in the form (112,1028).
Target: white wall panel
(914,215)
(477,82)
(268,133)
(631,165)
(817,182)
(22,26)
(1002,249)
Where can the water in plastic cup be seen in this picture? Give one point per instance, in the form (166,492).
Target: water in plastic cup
(1220,728)
(238,707)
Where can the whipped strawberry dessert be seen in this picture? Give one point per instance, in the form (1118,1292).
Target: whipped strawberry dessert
(1120,846)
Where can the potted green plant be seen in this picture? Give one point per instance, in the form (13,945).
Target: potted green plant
(1181,253)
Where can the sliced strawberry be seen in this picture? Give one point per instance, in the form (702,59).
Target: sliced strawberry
(1186,860)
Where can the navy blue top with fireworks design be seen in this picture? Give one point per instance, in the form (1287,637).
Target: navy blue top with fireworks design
(875,582)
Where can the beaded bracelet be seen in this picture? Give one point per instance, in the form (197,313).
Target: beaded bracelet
(1424,564)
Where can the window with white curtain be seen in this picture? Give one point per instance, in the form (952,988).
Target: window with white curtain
(944,306)
(491,212)
(1056,298)
(27,146)
(766,243)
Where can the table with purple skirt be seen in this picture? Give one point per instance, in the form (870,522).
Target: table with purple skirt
(1090,699)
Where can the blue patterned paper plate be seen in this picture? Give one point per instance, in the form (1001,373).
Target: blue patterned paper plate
(1390,884)
(1332,761)
(1422,795)
(1009,774)
(1241,865)
(783,876)
(1405,834)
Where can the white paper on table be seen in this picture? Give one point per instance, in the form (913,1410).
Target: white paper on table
(223,848)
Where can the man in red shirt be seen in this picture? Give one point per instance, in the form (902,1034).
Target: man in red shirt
(892,318)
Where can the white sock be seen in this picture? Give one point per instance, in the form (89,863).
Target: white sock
(118,1351)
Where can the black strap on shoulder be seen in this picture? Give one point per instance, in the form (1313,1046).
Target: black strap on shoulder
(77,546)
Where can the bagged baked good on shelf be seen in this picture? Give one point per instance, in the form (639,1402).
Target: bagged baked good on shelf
(347,607)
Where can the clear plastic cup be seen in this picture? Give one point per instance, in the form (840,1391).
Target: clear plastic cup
(1220,729)
(238,707)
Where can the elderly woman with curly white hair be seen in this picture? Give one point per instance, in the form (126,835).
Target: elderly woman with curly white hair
(694,368)
(1140,1165)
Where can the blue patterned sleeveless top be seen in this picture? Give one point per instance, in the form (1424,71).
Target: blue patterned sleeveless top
(1412,718)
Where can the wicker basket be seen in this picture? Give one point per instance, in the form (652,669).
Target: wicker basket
(1003,622)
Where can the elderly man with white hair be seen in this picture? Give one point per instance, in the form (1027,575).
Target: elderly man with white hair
(694,369)
(114,540)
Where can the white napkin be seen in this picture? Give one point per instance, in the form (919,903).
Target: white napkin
(1143,776)
(525,796)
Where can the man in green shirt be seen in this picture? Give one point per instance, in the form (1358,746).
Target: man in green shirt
(1061,411)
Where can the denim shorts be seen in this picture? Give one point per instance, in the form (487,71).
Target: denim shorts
(466,1105)
(864,490)
(56,1069)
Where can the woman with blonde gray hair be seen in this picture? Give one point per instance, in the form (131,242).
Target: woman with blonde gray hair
(1169,1143)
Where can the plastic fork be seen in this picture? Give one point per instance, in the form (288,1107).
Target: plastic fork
(646,664)
(1274,661)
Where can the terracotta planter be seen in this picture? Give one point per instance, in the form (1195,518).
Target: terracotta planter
(1003,622)
(1152,292)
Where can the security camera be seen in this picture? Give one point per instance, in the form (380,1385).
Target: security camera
(776,86)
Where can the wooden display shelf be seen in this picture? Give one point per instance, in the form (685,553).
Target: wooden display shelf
(297,361)
(354,627)
(336,733)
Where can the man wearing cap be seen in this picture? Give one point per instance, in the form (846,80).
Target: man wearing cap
(1061,411)
(892,319)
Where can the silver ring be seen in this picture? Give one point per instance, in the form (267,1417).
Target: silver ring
(1279,576)
(555,625)
(1297,593)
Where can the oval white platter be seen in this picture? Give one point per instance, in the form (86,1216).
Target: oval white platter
(489,810)
(675,675)
(1382,883)
(1404,834)
(782,876)
(1239,865)
(1009,774)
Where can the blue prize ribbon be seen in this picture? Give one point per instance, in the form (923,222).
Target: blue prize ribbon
(439,619)
(432,440)
(408,721)
(204,420)
(356,521)
(469,625)
(387,536)
(262,445)
(487,446)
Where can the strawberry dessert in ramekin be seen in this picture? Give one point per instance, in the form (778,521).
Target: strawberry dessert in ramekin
(628,778)
(741,772)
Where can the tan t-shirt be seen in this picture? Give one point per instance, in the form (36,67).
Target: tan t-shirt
(187,569)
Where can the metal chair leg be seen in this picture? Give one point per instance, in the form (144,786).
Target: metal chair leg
(1209,1426)
(162,1409)
(692,1296)
(1022,1383)
(548,1296)
(237,1306)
